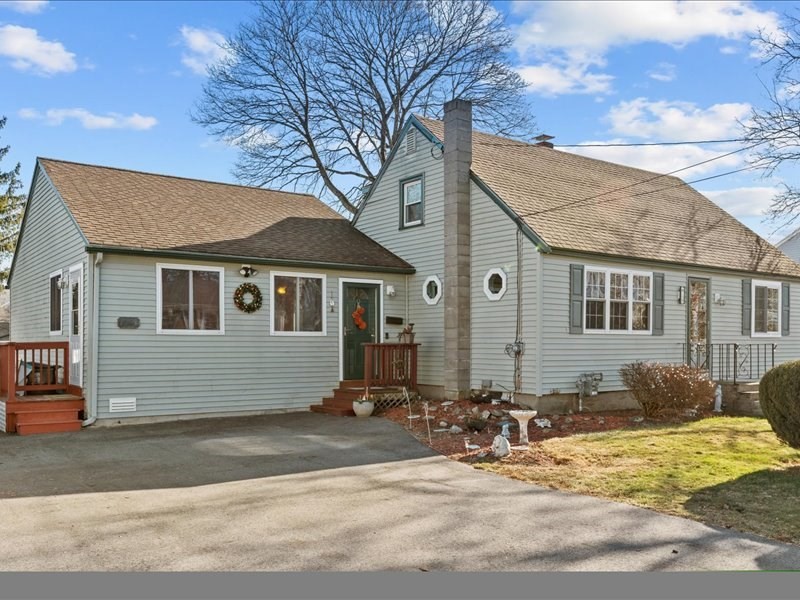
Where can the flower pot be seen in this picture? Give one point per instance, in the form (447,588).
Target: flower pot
(406,338)
(363,409)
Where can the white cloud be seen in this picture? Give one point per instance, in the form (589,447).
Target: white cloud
(675,120)
(746,201)
(204,47)
(552,34)
(665,159)
(729,50)
(599,26)
(24,6)
(56,116)
(663,71)
(569,74)
(28,51)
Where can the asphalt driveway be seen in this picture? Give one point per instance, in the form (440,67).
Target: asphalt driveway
(310,492)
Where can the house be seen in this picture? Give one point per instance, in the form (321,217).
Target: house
(522,268)
(790,245)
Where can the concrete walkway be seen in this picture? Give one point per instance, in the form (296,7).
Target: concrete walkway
(312,492)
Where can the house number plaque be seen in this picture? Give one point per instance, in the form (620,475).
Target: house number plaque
(128,322)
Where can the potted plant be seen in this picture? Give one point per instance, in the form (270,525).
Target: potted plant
(407,335)
(363,406)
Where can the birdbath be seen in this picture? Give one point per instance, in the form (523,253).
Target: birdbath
(523,416)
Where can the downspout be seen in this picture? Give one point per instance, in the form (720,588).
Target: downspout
(92,416)
(539,321)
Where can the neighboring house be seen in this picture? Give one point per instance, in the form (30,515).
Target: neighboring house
(521,267)
(790,245)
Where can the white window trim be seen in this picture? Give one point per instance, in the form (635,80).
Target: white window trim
(607,313)
(406,185)
(767,284)
(60,275)
(186,267)
(435,300)
(495,296)
(272,330)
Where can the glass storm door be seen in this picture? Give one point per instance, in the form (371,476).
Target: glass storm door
(698,325)
(360,325)
(76,325)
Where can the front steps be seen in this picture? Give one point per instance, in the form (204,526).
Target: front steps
(52,413)
(341,403)
(742,399)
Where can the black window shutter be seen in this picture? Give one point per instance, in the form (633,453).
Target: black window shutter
(576,298)
(747,300)
(658,304)
(785,309)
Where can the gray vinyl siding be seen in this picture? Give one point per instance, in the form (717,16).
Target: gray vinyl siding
(494,245)
(245,369)
(421,246)
(50,241)
(791,247)
(566,356)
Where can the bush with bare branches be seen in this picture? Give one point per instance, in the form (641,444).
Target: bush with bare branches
(667,390)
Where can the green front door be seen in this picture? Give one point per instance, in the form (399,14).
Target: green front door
(360,324)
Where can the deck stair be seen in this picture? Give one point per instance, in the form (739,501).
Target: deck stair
(51,413)
(747,401)
(340,403)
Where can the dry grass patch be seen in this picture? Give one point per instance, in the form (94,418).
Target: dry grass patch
(725,471)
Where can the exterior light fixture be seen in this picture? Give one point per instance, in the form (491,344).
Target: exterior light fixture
(390,291)
(247,271)
(682,295)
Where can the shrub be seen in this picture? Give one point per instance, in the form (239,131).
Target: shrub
(664,390)
(779,395)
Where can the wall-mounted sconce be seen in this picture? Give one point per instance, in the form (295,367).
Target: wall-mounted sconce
(63,283)
(719,299)
(390,291)
(247,271)
(331,301)
(682,294)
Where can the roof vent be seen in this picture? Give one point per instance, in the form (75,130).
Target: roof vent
(411,141)
(544,140)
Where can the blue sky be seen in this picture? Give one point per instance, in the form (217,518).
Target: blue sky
(114,82)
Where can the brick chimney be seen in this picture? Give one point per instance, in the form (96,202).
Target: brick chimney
(457,305)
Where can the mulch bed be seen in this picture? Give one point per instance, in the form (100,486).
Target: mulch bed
(454,445)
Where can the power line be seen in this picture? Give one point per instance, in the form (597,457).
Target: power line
(634,184)
(512,143)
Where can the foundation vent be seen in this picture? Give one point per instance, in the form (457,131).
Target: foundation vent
(122,404)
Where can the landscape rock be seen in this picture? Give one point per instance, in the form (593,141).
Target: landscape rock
(637,419)
(444,424)
(485,414)
(543,423)
(496,413)
(447,403)
(474,410)
(568,420)
(456,429)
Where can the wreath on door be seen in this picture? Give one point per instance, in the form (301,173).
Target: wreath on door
(358,318)
(239,298)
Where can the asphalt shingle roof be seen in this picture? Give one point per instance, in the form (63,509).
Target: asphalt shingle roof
(583,204)
(134,210)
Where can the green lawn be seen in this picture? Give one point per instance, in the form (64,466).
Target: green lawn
(725,471)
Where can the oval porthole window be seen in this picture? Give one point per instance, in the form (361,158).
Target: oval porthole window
(432,289)
(495,283)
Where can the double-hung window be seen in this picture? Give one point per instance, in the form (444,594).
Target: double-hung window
(412,202)
(618,301)
(56,307)
(766,309)
(190,299)
(297,304)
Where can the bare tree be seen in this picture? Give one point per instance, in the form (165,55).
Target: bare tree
(12,204)
(774,131)
(315,94)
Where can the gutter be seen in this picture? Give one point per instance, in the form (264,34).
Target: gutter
(92,416)
(281,262)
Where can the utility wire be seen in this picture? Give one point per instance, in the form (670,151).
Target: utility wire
(614,145)
(643,181)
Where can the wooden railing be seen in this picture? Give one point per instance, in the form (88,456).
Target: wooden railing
(33,368)
(390,365)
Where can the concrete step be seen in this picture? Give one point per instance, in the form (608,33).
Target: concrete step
(56,427)
(748,386)
(28,417)
(332,410)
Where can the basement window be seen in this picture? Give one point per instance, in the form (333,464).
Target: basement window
(432,290)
